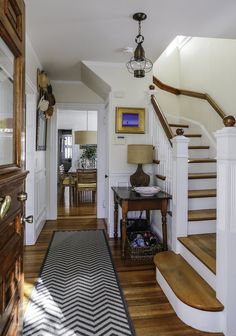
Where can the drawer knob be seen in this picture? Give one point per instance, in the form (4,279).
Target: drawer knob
(5,203)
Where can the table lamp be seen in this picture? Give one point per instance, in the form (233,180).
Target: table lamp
(140,154)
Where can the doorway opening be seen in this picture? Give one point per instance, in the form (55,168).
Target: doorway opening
(77,164)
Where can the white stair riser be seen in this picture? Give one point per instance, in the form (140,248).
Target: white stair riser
(198,153)
(195,141)
(200,184)
(202,203)
(198,227)
(199,267)
(205,167)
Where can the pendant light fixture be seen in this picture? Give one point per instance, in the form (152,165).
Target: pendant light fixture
(139,64)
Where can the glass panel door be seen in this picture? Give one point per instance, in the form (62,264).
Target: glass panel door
(6,105)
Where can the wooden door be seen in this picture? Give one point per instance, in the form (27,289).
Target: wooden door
(12,173)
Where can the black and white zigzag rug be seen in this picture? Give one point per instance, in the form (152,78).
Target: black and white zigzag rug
(77,292)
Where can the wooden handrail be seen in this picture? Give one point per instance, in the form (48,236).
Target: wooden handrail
(189,93)
(162,118)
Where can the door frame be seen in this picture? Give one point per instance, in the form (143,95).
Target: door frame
(52,160)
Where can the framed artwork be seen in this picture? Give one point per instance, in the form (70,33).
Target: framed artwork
(130,120)
(41,131)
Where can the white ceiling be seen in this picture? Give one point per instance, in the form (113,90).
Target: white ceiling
(65,32)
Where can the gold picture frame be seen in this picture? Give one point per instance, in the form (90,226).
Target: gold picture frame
(130,120)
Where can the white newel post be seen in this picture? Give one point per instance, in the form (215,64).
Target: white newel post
(180,188)
(226,223)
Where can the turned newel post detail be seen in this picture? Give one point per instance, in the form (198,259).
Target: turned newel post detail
(226,222)
(229,121)
(180,187)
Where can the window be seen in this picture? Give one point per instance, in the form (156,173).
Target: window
(67,140)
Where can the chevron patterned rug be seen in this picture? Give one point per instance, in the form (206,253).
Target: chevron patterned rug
(77,292)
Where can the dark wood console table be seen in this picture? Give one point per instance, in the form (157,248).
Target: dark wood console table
(129,200)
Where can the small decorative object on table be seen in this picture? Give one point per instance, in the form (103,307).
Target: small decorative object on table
(147,191)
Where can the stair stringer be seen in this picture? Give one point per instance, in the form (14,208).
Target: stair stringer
(196,318)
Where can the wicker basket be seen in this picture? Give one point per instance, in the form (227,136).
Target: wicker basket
(142,253)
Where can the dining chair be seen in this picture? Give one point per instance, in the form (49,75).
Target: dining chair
(86,184)
(67,180)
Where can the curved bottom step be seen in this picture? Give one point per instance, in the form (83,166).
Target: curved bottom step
(192,298)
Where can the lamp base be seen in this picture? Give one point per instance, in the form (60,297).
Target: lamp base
(139,178)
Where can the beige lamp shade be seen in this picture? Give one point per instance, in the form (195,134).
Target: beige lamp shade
(85,137)
(140,154)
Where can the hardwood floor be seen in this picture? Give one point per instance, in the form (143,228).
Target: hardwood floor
(150,311)
(85,207)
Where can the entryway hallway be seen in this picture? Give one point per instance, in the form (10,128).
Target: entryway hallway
(150,311)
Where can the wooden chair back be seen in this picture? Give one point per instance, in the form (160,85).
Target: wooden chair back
(86,176)
(86,182)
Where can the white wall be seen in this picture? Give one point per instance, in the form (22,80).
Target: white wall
(74,92)
(36,204)
(204,65)
(167,69)
(208,65)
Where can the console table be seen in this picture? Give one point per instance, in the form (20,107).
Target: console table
(129,200)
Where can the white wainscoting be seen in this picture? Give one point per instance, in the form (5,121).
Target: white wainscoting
(40,200)
(36,179)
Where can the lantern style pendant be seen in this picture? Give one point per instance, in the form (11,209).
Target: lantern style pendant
(139,64)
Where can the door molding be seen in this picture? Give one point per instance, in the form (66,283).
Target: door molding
(52,163)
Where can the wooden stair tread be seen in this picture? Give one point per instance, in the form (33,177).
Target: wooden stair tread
(193,135)
(201,160)
(203,246)
(193,176)
(179,125)
(201,215)
(198,147)
(186,283)
(202,193)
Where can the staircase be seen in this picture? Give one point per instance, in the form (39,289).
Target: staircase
(188,278)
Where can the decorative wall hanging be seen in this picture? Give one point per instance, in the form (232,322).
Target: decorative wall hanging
(45,108)
(130,120)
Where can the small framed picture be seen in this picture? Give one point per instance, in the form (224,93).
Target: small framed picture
(130,120)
